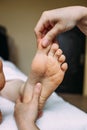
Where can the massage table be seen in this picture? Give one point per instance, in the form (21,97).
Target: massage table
(57,114)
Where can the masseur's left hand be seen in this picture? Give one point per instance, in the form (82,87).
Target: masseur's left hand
(26,113)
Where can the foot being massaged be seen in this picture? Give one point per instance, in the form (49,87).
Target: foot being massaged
(20,98)
(23,99)
(48,68)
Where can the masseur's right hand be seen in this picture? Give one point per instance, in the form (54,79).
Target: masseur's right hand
(54,22)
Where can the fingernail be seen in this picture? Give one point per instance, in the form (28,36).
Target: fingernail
(45,42)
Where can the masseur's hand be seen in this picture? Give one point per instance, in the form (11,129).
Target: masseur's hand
(26,113)
(56,21)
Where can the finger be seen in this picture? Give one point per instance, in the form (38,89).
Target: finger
(41,26)
(28,93)
(51,34)
(37,92)
(18,100)
(39,29)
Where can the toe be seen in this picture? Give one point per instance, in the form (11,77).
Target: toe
(53,49)
(62,58)
(44,49)
(47,49)
(64,66)
(58,53)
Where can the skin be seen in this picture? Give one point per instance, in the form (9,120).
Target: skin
(56,21)
(48,67)
(2,77)
(42,71)
(29,110)
(2,83)
(52,67)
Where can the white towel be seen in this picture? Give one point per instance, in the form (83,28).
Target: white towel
(57,114)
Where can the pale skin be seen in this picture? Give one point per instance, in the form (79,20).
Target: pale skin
(56,21)
(48,67)
(28,111)
(27,115)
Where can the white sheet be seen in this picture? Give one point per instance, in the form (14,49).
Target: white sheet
(57,115)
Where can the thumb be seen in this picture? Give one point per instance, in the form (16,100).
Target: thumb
(37,92)
(18,100)
(52,33)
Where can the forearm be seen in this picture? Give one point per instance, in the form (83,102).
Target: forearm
(28,126)
(31,127)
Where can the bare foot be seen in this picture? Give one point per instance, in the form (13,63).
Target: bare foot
(48,68)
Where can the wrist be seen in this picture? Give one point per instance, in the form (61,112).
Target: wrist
(29,126)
